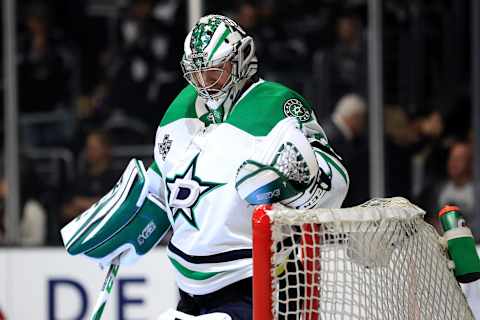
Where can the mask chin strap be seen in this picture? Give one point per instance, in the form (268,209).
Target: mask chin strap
(215,103)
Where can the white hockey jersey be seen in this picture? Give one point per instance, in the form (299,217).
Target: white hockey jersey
(197,154)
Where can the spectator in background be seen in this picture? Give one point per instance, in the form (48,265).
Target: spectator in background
(94,179)
(44,74)
(283,54)
(405,137)
(340,69)
(247,15)
(345,134)
(456,189)
(43,63)
(144,77)
(33,217)
(255,19)
(347,59)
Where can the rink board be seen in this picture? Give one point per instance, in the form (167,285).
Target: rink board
(45,283)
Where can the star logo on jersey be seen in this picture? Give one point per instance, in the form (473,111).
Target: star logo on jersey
(164,146)
(295,108)
(185,192)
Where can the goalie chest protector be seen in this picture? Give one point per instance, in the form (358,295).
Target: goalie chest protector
(198,159)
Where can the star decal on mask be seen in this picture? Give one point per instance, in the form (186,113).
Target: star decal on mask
(185,192)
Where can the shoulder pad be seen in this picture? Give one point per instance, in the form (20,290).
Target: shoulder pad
(266,105)
(183,106)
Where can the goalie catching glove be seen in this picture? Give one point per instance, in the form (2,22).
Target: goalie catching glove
(127,222)
(283,169)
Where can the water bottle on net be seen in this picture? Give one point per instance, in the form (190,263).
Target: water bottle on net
(461,244)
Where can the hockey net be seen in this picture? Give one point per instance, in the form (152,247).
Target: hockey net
(379,260)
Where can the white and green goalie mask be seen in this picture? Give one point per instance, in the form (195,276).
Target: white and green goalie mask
(218,55)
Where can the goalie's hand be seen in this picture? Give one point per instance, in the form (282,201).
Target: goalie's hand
(258,183)
(281,168)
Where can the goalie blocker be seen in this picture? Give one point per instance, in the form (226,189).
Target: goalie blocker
(287,169)
(127,222)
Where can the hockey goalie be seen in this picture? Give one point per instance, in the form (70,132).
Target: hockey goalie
(229,141)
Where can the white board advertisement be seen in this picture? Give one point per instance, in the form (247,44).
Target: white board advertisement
(47,284)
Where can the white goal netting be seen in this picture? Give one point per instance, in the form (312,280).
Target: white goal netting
(376,261)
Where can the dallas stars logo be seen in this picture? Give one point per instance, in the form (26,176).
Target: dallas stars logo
(185,192)
(295,108)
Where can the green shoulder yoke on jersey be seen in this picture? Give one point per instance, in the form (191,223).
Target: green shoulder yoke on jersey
(267,104)
(256,113)
(183,106)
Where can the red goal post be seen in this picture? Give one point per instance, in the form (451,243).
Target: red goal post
(376,261)
(262,239)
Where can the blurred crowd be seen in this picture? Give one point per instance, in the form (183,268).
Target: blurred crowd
(95,77)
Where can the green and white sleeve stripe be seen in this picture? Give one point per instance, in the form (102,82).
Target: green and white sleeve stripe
(335,163)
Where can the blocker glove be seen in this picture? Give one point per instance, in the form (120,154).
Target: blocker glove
(283,169)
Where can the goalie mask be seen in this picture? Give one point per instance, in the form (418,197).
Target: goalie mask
(218,57)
